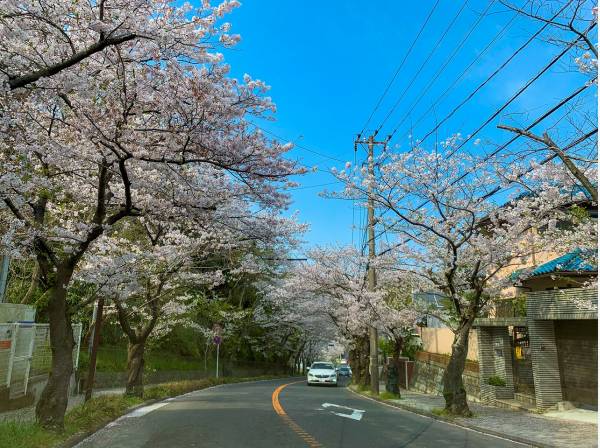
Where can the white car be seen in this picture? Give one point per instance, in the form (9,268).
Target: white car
(321,372)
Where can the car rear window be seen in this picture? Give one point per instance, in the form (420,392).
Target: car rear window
(321,365)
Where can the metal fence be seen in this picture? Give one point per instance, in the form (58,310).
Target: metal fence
(25,352)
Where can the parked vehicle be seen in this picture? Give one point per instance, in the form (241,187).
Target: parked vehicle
(321,373)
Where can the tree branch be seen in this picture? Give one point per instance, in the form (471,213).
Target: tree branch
(573,169)
(24,80)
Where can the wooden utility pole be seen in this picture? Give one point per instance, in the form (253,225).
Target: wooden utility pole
(371,278)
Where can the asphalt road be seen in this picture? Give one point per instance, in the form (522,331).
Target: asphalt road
(249,415)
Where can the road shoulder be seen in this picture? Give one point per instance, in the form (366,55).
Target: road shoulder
(521,427)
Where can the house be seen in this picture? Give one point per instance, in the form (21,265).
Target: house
(549,354)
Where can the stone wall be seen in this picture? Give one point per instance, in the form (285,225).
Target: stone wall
(428,372)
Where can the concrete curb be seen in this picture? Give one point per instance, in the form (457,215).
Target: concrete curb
(80,437)
(451,421)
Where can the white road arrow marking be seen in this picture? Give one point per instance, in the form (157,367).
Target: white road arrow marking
(357,414)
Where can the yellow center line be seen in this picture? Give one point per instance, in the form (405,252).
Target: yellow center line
(310,440)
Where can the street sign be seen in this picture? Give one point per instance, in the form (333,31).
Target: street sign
(217,340)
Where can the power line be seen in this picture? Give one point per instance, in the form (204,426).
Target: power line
(305,187)
(389,85)
(297,145)
(444,65)
(417,73)
(514,138)
(490,77)
(466,70)
(505,145)
(522,89)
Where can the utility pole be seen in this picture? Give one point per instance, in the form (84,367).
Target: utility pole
(371,278)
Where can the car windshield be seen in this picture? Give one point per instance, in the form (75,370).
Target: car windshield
(321,365)
(344,368)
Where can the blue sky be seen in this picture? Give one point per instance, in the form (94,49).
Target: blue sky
(328,63)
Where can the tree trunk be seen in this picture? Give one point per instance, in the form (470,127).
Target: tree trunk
(359,361)
(135,368)
(354,361)
(365,361)
(394,368)
(397,350)
(454,389)
(50,410)
(33,285)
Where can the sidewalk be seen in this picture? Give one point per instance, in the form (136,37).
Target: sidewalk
(28,414)
(536,429)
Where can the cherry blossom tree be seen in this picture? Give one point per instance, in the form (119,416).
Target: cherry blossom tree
(569,223)
(148,280)
(452,234)
(137,126)
(44,42)
(154,270)
(327,296)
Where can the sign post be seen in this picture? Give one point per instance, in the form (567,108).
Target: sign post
(217,330)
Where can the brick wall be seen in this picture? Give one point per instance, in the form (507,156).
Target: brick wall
(577,344)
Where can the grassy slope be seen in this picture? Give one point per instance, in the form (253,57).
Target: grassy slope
(114,359)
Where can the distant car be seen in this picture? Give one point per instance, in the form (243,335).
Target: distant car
(322,373)
(345,370)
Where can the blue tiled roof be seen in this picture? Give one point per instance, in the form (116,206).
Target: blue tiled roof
(575,261)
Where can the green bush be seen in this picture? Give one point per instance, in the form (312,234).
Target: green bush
(389,396)
(495,380)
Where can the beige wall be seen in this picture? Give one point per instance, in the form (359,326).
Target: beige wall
(439,340)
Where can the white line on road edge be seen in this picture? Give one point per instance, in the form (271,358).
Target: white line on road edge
(139,412)
(145,410)
(439,420)
(357,414)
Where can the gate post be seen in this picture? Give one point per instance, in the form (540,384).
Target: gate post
(11,358)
